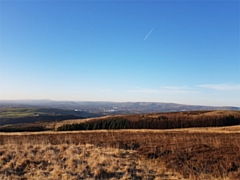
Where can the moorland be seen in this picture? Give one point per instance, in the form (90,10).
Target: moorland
(174,145)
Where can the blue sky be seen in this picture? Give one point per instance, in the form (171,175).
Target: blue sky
(163,51)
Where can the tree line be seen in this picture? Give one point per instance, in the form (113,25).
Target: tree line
(161,122)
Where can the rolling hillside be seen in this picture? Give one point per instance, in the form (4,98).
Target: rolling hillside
(158,121)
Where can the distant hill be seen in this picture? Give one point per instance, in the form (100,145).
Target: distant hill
(111,108)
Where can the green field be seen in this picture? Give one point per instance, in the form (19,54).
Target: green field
(18,115)
(21,112)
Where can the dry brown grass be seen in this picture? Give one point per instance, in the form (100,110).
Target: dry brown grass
(122,154)
(70,161)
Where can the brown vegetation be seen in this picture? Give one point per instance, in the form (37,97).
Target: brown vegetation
(121,154)
(138,121)
(157,121)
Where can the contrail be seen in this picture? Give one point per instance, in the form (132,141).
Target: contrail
(148,34)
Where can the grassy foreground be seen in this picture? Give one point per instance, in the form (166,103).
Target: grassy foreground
(200,153)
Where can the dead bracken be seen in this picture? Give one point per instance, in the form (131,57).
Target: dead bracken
(212,153)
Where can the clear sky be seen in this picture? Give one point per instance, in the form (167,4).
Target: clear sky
(162,51)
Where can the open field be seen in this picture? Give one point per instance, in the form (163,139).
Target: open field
(14,112)
(191,153)
(18,115)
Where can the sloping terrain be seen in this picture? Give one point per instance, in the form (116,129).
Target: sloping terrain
(156,121)
(169,120)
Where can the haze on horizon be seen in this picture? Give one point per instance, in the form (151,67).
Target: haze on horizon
(183,52)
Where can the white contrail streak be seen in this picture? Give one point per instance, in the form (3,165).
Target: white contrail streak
(148,34)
